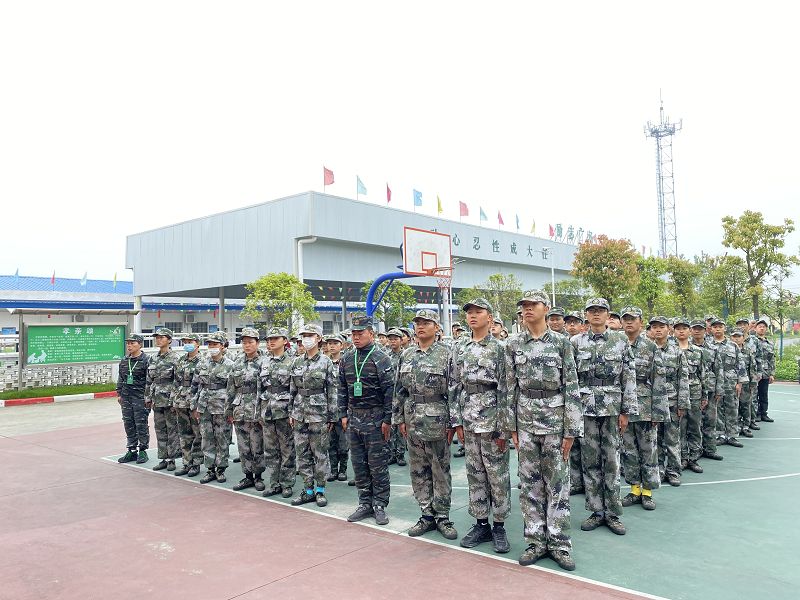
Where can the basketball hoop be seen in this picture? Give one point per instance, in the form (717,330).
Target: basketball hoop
(444,277)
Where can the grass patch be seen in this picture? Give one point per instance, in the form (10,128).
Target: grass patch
(58,390)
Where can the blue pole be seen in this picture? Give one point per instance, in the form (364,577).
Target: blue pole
(390,277)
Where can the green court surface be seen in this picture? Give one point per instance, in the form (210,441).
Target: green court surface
(727,533)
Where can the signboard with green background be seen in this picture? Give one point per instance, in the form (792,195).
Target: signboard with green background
(73,343)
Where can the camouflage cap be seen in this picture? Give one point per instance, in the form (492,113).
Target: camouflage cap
(597,303)
(333,338)
(534,296)
(190,336)
(575,314)
(737,332)
(763,320)
(631,311)
(217,336)
(381,334)
(164,331)
(658,319)
(276,332)
(477,303)
(681,321)
(394,332)
(135,337)
(613,313)
(407,332)
(698,323)
(556,310)
(455,324)
(717,321)
(709,317)
(250,332)
(459,327)
(497,321)
(745,321)
(427,315)
(310,328)
(361,322)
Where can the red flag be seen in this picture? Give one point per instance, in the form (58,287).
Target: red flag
(388,194)
(327,175)
(53,279)
(500,218)
(463,210)
(552,231)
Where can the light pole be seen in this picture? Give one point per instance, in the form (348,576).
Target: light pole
(546,255)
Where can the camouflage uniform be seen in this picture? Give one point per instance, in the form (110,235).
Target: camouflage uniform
(732,372)
(712,360)
(544,408)
(677,389)
(767,370)
(279,448)
(159,390)
(210,389)
(243,407)
(188,428)
(607,380)
(692,420)
(421,402)
(131,398)
(751,341)
(478,392)
(312,407)
(338,449)
(746,395)
(398,442)
(640,440)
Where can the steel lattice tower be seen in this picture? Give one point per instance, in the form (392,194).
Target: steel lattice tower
(665,184)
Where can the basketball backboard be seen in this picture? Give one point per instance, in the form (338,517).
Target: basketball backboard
(426,253)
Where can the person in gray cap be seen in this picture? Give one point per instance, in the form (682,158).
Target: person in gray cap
(478,390)
(312,411)
(131,383)
(275,377)
(729,384)
(711,369)
(691,421)
(398,442)
(755,351)
(210,388)
(458,330)
(242,410)
(555,319)
(158,393)
(497,326)
(188,428)
(427,418)
(614,321)
(749,363)
(767,370)
(338,449)
(607,379)
(572,324)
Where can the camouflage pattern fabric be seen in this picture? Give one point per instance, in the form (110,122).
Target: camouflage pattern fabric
(313,390)
(713,367)
(677,388)
(215,431)
(370,455)
(134,418)
(243,401)
(311,445)
(767,357)
(488,477)
(749,361)
(279,452)
(250,442)
(190,437)
(651,384)
(159,389)
(275,379)
(732,372)
(640,454)
(600,459)
(210,385)
(430,476)
(575,466)
(669,444)
(339,448)
(165,423)
(397,441)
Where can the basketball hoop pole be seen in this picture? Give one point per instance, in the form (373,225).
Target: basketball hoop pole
(390,277)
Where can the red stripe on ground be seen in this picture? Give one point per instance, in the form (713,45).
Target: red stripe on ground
(25,401)
(105,395)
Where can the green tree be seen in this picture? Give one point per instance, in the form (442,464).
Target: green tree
(682,282)
(761,244)
(723,284)
(397,307)
(279,299)
(571,294)
(608,266)
(651,282)
(502,290)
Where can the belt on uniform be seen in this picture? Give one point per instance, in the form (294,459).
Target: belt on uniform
(216,386)
(596,381)
(426,397)
(307,393)
(535,393)
(640,380)
(276,389)
(479,388)
(247,389)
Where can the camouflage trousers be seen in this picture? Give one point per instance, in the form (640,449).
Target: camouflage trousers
(600,459)
(669,444)
(370,456)
(746,412)
(709,426)
(190,438)
(754,398)
(729,415)
(640,454)
(544,491)
(134,418)
(575,467)
(215,430)
(338,449)
(488,477)
(430,475)
(166,426)
(250,440)
(692,431)
(397,441)
(311,445)
(279,454)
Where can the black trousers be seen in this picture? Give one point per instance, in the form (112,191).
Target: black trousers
(763,397)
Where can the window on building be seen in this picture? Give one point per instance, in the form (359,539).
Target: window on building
(327,327)
(175,326)
(199,327)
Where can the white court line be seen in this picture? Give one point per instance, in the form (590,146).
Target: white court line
(773,439)
(791,412)
(740,480)
(566,575)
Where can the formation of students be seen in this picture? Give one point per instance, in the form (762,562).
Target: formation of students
(583,397)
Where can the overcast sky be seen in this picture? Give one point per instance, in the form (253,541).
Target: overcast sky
(121,117)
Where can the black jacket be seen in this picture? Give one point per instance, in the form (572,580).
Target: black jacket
(139,368)
(377,382)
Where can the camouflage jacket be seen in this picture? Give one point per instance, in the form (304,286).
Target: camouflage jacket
(275,378)
(606,373)
(421,398)
(313,390)
(713,367)
(676,372)
(696,370)
(160,384)
(243,401)
(210,385)
(751,342)
(767,357)
(184,373)
(749,363)
(731,367)
(651,383)
(335,364)
(542,383)
(478,385)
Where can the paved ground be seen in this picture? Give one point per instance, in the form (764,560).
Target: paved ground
(77,525)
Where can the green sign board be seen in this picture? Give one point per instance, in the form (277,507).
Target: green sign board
(73,343)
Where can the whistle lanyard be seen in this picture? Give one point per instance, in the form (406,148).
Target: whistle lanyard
(357,387)
(129,380)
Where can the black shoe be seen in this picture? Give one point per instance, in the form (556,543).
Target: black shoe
(320,499)
(648,503)
(563,559)
(684,464)
(210,476)
(259,484)
(362,512)
(221,475)
(380,515)
(170,465)
(194,471)
(576,490)
(423,526)
(392,460)
(401,461)
(674,479)
(712,456)
(160,466)
(531,555)
(631,499)
(747,433)
(593,522)
(767,419)
(331,477)
(500,540)
(754,427)
(142,458)
(342,476)
(238,459)
(272,492)
(694,467)
(287,492)
(735,443)
(446,528)
(615,525)
(184,470)
(130,456)
(478,534)
(244,484)
(351,483)
(459,453)
(303,498)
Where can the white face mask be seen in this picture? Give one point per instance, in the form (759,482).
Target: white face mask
(309,342)
(214,351)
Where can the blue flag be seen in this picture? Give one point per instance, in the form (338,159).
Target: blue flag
(483,216)
(417,198)
(360,188)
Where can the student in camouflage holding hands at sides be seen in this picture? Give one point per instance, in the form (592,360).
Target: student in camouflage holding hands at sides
(188,428)
(692,420)
(427,419)
(130,395)
(478,390)
(158,393)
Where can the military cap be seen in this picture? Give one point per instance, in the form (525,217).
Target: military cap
(534,296)
(681,321)
(709,317)
(613,313)
(250,332)
(737,332)
(135,337)
(164,331)
(217,336)
(631,311)
(408,332)
(311,328)
(361,322)
(698,323)
(428,315)
(746,321)
(460,327)
(597,303)
(276,332)
(455,324)
(658,319)
(519,311)
(556,310)
(762,320)
(717,321)
(190,336)
(477,303)
(575,314)
(333,338)
(497,321)
(394,332)
(381,333)
(345,333)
